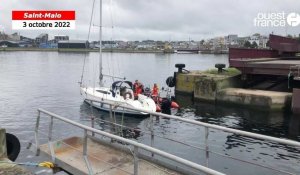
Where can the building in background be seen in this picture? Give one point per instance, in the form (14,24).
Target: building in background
(254,39)
(14,37)
(73,44)
(109,44)
(61,38)
(232,40)
(9,44)
(42,38)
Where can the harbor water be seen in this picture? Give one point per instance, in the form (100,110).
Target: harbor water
(49,80)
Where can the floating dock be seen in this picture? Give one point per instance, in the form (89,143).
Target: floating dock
(103,158)
(110,154)
(100,152)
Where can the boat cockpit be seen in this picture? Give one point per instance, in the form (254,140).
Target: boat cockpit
(123,88)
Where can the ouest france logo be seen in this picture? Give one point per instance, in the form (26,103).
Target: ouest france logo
(277,19)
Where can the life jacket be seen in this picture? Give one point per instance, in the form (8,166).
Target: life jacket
(139,90)
(135,87)
(155,91)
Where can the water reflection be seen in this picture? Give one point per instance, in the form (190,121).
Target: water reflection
(260,152)
(294,127)
(276,124)
(125,126)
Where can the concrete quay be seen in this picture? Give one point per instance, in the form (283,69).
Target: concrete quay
(204,84)
(226,88)
(258,99)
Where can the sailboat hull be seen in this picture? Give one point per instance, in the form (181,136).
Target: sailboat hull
(118,110)
(104,94)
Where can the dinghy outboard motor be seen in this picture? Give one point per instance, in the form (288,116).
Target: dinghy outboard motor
(166,106)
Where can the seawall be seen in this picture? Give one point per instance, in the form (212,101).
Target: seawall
(226,88)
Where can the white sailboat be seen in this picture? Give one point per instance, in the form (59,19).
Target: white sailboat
(120,92)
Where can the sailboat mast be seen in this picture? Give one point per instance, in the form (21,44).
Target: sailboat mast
(100,48)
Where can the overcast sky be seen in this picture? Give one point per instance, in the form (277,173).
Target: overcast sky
(158,19)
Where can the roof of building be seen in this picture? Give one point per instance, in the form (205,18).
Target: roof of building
(13,42)
(60,35)
(42,35)
(73,41)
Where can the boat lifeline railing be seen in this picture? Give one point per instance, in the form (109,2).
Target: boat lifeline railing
(206,126)
(135,144)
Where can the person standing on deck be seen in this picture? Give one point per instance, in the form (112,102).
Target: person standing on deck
(138,88)
(135,85)
(155,90)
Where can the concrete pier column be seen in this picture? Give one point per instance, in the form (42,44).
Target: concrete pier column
(3,153)
(296,101)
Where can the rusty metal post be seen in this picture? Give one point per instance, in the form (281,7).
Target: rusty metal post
(111,120)
(50,139)
(136,160)
(296,101)
(87,163)
(93,124)
(206,145)
(110,112)
(152,133)
(3,147)
(92,118)
(36,134)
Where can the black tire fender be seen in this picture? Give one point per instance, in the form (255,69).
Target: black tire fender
(13,146)
(170,81)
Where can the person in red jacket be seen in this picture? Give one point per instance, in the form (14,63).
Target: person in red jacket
(155,90)
(135,85)
(138,88)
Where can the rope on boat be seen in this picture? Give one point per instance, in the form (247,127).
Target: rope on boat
(88,38)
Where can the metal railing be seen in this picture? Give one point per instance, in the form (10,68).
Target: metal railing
(207,127)
(135,144)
